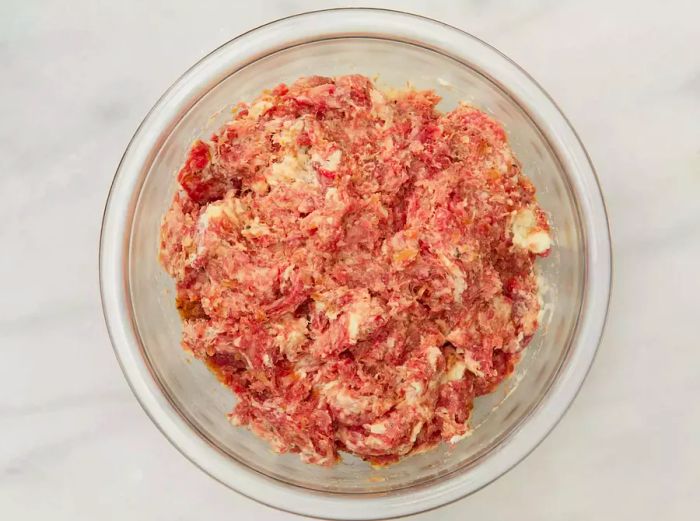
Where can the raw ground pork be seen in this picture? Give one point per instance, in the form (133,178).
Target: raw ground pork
(355,265)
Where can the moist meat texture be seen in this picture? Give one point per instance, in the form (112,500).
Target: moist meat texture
(355,265)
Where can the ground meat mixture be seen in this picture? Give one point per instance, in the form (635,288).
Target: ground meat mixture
(355,265)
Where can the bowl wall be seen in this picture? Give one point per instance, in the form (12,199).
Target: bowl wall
(205,402)
(184,399)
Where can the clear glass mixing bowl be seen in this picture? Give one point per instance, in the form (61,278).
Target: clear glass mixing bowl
(186,401)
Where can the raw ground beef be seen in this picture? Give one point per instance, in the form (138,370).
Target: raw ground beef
(355,265)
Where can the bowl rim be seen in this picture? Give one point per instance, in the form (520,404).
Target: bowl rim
(247,48)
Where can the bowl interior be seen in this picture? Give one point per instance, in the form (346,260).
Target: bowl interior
(204,402)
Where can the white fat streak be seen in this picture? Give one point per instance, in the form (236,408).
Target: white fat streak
(526,233)
(432,355)
(416,431)
(332,195)
(288,272)
(323,307)
(472,365)
(359,313)
(460,286)
(414,392)
(374,443)
(258,108)
(353,326)
(255,228)
(303,366)
(458,281)
(260,187)
(343,400)
(348,403)
(331,164)
(292,334)
(287,136)
(295,338)
(380,108)
(455,372)
(539,242)
(231,210)
(291,169)
(502,307)
(377,428)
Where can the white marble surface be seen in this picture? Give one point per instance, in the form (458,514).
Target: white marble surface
(77,77)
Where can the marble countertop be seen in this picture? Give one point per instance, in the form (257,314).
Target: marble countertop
(77,78)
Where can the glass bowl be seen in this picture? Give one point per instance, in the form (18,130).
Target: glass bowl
(187,402)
